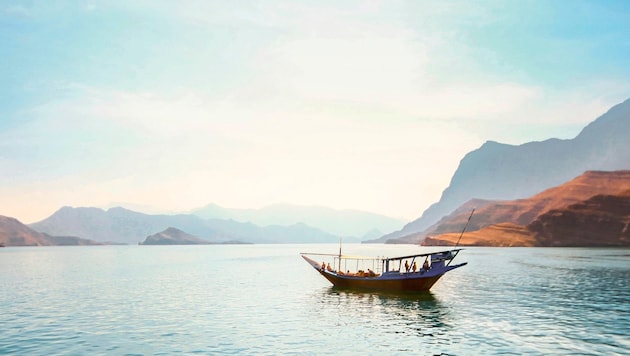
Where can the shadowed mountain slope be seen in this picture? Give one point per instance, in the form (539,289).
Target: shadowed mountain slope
(14,233)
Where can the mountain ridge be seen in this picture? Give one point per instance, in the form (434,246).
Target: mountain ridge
(121,225)
(497,171)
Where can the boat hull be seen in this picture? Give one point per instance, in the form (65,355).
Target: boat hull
(405,284)
(391,282)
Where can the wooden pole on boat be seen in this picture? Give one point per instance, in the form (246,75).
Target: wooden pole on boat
(465,226)
(339,269)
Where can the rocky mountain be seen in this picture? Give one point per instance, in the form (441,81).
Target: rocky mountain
(14,233)
(120,225)
(499,171)
(603,220)
(173,236)
(523,211)
(498,235)
(346,223)
(590,210)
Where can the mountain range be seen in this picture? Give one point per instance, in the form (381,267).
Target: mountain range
(495,179)
(497,171)
(120,225)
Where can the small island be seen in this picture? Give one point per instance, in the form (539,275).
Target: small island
(173,236)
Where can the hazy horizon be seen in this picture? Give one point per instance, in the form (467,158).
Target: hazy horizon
(361,105)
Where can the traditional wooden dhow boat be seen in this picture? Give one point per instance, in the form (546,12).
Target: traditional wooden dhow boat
(397,274)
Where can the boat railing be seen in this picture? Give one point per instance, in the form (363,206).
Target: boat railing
(362,265)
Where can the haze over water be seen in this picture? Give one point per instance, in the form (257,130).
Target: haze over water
(264,299)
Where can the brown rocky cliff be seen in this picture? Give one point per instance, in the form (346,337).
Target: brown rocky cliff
(590,210)
(525,211)
(499,235)
(603,220)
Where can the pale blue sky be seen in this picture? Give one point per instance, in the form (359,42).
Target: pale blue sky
(368,105)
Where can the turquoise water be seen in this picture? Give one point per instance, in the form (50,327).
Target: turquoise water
(264,299)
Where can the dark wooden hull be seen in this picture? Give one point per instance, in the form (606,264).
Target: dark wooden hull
(390,282)
(411,282)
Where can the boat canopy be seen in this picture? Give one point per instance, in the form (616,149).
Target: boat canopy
(424,254)
(353,257)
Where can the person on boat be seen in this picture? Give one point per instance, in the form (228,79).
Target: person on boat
(415,266)
(323,266)
(328,267)
(406,266)
(426,266)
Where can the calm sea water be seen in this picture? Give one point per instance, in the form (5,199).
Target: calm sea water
(264,299)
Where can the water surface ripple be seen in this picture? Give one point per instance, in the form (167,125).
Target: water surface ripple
(264,299)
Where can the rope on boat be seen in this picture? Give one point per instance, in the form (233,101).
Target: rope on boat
(465,226)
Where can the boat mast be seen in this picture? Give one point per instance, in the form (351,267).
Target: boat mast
(339,269)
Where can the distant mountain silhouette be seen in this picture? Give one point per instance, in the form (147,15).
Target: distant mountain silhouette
(120,225)
(353,223)
(173,236)
(14,233)
(498,171)
(590,210)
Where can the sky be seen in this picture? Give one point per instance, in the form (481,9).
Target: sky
(166,106)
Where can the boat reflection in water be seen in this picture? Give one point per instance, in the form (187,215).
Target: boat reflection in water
(399,315)
(397,274)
